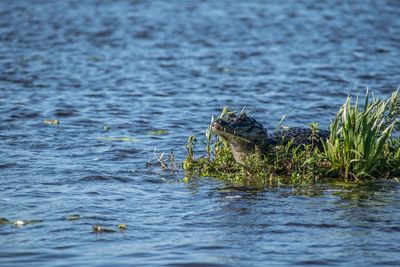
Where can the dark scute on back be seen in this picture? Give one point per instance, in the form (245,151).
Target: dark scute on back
(298,136)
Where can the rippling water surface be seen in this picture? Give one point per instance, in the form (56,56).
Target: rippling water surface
(139,66)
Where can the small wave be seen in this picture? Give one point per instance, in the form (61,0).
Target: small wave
(369,77)
(94,178)
(196,264)
(319,225)
(64,112)
(7,165)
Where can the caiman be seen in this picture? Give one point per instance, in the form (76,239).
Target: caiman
(245,135)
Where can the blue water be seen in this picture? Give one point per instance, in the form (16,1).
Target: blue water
(138,66)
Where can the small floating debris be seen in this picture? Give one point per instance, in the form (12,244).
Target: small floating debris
(95,58)
(5,221)
(186,179)
(101,229)
(106,128)
(119,139)
(122,226)
(159,132)
(51,122)
(73,217)
(221,69)
(19,223)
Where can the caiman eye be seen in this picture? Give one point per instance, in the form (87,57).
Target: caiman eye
(242,117)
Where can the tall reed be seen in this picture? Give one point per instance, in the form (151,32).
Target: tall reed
(358,135)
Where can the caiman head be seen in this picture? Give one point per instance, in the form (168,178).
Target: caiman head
(244,134)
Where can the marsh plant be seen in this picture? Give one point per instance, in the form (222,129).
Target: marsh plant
(359,136)
(362,144)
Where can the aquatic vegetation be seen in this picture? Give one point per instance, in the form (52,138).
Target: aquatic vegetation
(101,229)
(361,144)
(51,122)
(122,226)
(166,163)
(358,137)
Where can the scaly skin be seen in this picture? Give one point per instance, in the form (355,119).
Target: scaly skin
(245,135)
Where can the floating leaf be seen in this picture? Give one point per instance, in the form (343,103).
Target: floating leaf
(159,132)
(73,217)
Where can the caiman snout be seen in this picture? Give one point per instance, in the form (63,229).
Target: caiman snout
(219,124)
(216,126)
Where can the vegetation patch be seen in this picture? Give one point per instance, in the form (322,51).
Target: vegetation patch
(159,132)
(362,144)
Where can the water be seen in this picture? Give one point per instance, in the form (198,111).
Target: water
(138,66)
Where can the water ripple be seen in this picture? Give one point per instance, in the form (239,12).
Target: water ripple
(95,178)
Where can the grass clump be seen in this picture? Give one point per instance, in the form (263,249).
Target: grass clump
(359,136)
(361,145)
